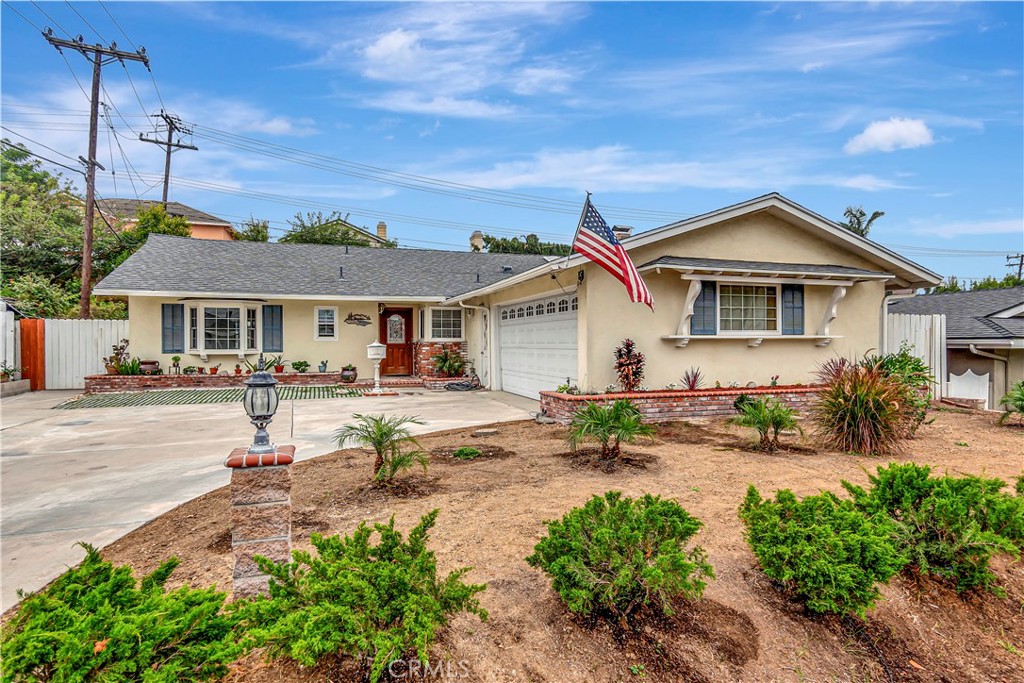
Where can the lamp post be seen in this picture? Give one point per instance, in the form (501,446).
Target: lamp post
(376,352)
(260,401)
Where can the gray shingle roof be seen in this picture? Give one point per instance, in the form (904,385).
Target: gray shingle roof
(180,264)
(968,313)
(129,208)
(757,266)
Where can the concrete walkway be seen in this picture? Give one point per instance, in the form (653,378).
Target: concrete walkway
(94,474)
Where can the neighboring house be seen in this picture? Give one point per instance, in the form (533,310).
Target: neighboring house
(761,288)
(204,226)
(984,333)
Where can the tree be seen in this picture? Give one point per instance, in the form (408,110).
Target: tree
(154,220)
(315,228)
(990,282)
(528,244)
(254,230)
(950,284)
(855,222)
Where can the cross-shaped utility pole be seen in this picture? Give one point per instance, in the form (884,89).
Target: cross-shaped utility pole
(174,125)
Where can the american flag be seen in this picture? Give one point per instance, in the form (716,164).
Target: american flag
(596,241)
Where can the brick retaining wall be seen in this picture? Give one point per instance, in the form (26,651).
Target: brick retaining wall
(424,352)
(106,384)
(665,406)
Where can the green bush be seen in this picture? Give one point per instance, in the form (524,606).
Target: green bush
(466,453)
(823,550)
(769,417)
(377,602)
(94,623)
(615,555)
(1014,403)
(913,373)
(950,526)
(863,408)
(609,426)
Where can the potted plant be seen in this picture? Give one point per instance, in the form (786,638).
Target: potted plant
(215,368)
(7,372)
(323,366)
(349,374)
(276,362)
(300,365)
(118,356)
(189,370)
(201,369)
(238,369)
(175,364)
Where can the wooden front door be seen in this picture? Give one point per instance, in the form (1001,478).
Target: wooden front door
(396,334)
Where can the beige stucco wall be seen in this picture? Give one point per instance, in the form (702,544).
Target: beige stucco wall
(606,316)
(144,316)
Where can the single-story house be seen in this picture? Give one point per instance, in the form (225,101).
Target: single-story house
(204,226)
(761,288)
(984,333)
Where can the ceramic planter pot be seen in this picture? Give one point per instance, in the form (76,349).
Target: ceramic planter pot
(278,368)
(238,371)
(148,367)
(323,367)
(214,371)
(349,376)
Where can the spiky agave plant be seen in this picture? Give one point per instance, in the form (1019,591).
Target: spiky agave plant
(1014,402)
(609,426)
(387,436)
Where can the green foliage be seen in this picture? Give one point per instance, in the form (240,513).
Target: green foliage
(629,365)
(863,408)
(823,550)
(855,222)
(466,453)
(95,623)
(37,297)
(448,362)
(567,388)
(950,526)
(769,417)
(388,437)
(741,401)
(132,366)
(155,219)
(300,365)
(615,555)
(609,426)
(1014,402)
(108,309)
(254,230)
(528,244)
(316,228)
(354,598)
(951,284)
(914,374)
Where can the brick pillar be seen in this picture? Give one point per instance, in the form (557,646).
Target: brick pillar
(261,514)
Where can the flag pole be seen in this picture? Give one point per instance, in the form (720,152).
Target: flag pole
(579,225)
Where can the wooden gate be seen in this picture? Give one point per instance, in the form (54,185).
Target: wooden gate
(33,352)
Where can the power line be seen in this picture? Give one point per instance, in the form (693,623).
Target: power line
(174,125)
(52,20)
(36,142)
(50,161)
(91,28)
(27,20)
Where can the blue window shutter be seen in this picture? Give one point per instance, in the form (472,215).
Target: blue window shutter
(792,309)
(172,337)
(705,312)
(273,329)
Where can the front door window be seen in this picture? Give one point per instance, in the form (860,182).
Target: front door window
(396,329)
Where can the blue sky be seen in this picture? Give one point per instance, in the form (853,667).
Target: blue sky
(661,110)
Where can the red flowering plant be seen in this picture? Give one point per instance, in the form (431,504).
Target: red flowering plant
(629,364)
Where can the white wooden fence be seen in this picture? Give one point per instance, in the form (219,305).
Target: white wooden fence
(926,335)
(970,385)
(75,348)
(10,338)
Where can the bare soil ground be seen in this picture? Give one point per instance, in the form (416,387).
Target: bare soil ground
(744,629)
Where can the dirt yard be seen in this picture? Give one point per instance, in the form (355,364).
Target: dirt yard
(492,509)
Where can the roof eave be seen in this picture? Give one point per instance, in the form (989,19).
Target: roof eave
(178,294)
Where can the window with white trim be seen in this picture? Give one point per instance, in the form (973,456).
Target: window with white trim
(220,327)
(748,308)
(325,322)
(446,324)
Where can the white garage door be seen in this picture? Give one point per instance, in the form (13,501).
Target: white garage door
(537,345)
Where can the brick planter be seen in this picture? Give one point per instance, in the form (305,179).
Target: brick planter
(424,352)
(105,384)
(665,406)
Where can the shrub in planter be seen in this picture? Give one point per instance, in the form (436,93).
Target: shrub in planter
(96,623)
(616,555)
(379,602)
(629,365)
(610,426)
(447,362)
(768,416)
(300,365)
(950,526)
(824,551)
(863,408)
(692,379)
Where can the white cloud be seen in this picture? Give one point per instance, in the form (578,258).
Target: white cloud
(888,136)
(958,228)
(411,102)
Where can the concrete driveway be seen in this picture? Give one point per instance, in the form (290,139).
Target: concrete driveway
(94,474)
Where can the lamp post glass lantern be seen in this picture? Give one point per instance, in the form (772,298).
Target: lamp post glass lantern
(260,402)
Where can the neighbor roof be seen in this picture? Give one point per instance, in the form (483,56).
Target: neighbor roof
(726,266)
(178,266)
(129,208)
(970,315)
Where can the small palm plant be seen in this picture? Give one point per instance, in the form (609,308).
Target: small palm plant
(386,436)
(1014,402)
(610,426)
(769,417)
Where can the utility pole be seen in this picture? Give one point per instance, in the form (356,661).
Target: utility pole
(1020,263)
(99,56)
(173,125)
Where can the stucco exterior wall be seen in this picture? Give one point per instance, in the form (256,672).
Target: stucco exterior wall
(210,232)
(1001,376)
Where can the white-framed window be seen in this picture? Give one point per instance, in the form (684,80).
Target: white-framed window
(444,324)
(220,327)
(325,323)
(748,308)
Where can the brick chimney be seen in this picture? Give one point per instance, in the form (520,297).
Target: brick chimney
(382,230)
(476,241)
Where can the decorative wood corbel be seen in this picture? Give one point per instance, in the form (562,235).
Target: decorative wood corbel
(831,310)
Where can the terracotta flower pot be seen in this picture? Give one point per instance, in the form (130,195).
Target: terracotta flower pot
(278,368)
(238,371)
(214,371)
(111,370)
